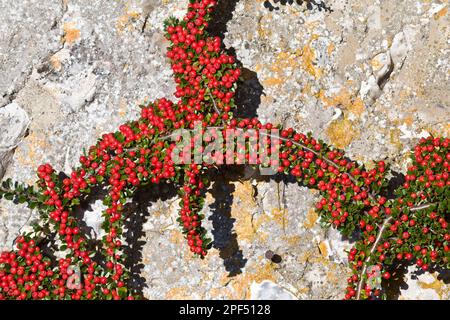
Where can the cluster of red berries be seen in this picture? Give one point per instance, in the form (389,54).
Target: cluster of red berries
(409,227)
(413,225)
(28,275)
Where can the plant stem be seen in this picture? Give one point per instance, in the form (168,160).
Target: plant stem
(369,257)
(377,240)
(16,193)
(422,206)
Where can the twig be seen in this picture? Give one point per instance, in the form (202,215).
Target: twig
(214,102)
(377,240)
(29,197)
(369,257)
(422,206)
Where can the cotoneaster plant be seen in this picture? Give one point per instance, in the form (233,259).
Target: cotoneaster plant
(411,227)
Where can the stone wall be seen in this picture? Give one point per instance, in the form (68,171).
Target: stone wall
(370,77)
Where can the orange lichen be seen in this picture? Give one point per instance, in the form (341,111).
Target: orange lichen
(176,237)
(438,286)
(273,82)
(309,59)
(408,120)
(123,107)
(279,216)
(126,21)
(341,133)
(292,240)
(241,284)
(71,34)
(394,138)
(332,276)
(28,154)
(345,100)
(440,13)
(311,218)
(323,248)
(330,48)
(282,61)
(179,293)
(246,225)
(56,62)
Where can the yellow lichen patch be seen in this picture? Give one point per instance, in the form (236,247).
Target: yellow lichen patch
(292,240)
(341,133)
(179,293)
(266,272)
(71,33)
(357,107)
(176,237)
(269,82)
(323,248)
(55,62)
(311,218)
(394,138)
(279,216)
(242,211)
(264,29)
(122,109)
(305,257)
(304,290)
(332,277)
(314,256)
(125,22)
(440,13)
(446,130)
(376,64)
(330,48)
(408,120)
(437,285)
(309,60)
(241,283)
(404,94)
(244,228)
(215,292)
(28,153)
(344,99)
(284,60)
(238,287)
(267,99)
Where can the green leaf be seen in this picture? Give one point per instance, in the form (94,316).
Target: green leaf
(9,196)
(122,292)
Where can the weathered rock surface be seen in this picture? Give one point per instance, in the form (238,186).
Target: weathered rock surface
(14,123)
(367,76)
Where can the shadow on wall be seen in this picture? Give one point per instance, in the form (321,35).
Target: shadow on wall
(137,214)
(250,90)
(225,239)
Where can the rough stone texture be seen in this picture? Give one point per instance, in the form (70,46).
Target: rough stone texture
(14,122)
(368,76)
